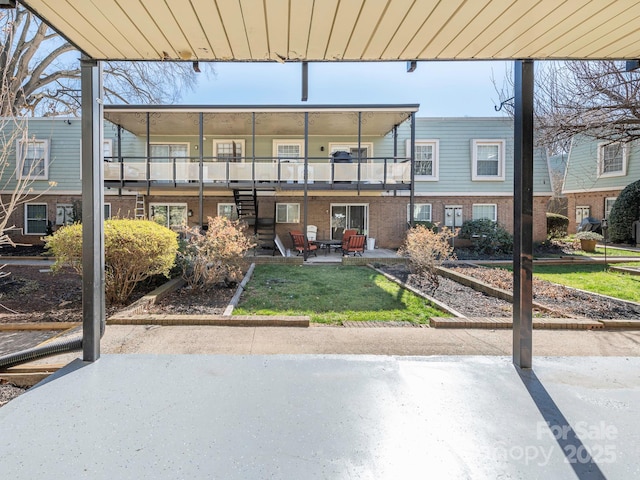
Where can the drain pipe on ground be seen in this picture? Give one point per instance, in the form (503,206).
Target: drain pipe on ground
(53,348)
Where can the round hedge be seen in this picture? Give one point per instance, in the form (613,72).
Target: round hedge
(625,211)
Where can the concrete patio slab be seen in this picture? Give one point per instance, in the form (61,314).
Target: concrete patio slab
(311,416)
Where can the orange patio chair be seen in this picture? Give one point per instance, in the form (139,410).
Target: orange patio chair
(298,240)
(355,245)
(345,238)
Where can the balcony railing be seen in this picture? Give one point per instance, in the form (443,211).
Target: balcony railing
(385,172)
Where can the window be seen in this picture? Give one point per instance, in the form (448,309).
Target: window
(347,217)
(284,150)
(35,219)
(107,211)
(608,205)
(421,212)
(64,214)
(228,210)
(169,151)
(33,159)
(172,215)
(107,149)
(366,149)
(485,210)
(426,159)
(612,160)
(488,160)
(229,150)
(287,213)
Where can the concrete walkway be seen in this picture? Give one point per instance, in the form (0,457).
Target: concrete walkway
(137,339)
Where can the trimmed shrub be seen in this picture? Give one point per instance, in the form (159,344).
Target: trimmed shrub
(215,256)
(557,225)
(487,237)
(427,250)
(134,250)
(625,211)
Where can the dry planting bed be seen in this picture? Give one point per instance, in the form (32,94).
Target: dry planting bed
(562,300)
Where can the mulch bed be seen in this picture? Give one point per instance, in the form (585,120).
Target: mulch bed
(564,301)
(184,301)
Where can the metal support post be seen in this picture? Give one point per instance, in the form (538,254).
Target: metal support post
(412,192)
(306,188)
(523,215)
(201,169)
(93,294)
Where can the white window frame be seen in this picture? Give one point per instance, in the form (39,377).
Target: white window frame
(495,211)
(188,144)
(20,150)
(435,159)
(169,205)
(607,210)
(234,215)
(414,212)
(501,160)
(107,149)
(278,142)
(240,141)
(347,146)
(26,218)
(622,172)
(296,216)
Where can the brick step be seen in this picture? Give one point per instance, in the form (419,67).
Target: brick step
(507,322)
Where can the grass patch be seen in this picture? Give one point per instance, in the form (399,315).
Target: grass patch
(611,252)
(331,294)
(593,278)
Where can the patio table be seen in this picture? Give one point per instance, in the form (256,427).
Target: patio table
(327,244)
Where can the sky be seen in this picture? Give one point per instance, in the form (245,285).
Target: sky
(443,89)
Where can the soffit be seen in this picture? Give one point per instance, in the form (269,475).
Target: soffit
(275,121)
(334,30)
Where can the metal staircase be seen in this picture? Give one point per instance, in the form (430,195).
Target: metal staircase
(264,227)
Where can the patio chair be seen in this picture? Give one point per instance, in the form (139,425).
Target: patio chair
(298,240)
(345,238)
(355,245)
(312,232)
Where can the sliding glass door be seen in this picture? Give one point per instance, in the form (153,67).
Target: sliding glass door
(349,216)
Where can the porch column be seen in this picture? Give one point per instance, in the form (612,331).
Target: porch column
(93,295)
(412,191)
(523,214)
(306,179)
(201,168)
(359,151)
(149,156)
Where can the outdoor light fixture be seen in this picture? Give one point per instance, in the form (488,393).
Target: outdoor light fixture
(196,67)
(190,213)
(411,66)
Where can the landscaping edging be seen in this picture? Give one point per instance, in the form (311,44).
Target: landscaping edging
(483,287)
(236,297)
(415,291)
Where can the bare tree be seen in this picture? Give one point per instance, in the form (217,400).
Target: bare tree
(41,72)
(598,99)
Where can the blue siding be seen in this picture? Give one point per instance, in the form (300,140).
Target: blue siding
(582,168)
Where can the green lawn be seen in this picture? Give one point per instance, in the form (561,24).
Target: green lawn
(611,252)
(330,294)
(593,278)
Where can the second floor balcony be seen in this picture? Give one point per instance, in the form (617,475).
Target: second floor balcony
(322,172)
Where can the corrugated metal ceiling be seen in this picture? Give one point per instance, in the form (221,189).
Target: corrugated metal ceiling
(328,30)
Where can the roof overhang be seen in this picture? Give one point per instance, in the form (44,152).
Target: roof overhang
(334,120)
(357,30)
